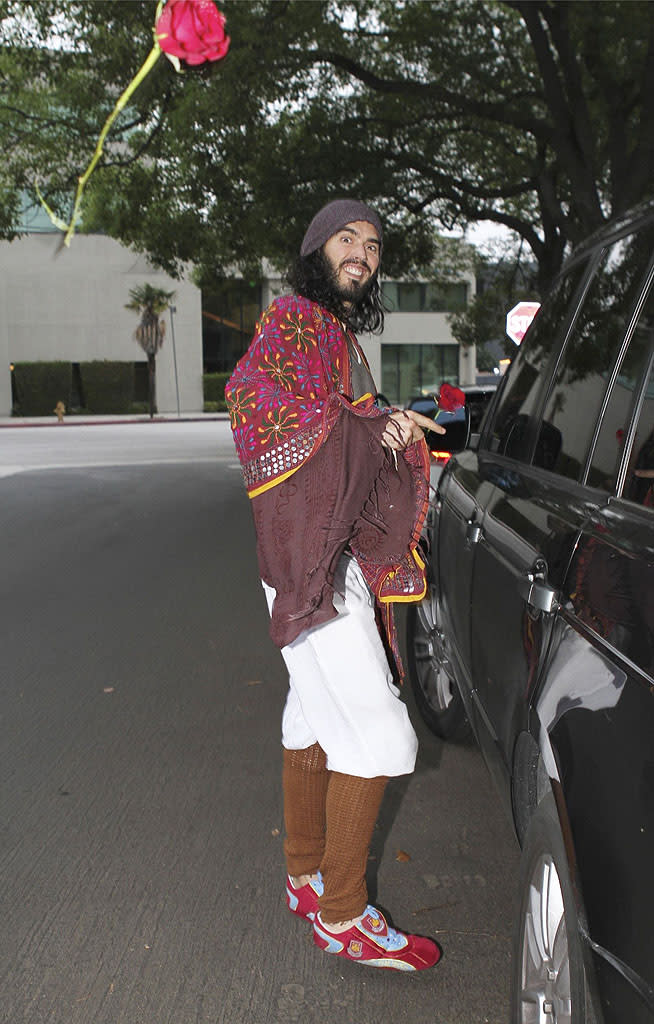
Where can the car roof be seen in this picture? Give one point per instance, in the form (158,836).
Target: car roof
(623,224)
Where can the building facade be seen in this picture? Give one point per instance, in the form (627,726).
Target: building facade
(69,304)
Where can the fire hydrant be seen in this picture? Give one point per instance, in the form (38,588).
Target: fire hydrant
(60,409)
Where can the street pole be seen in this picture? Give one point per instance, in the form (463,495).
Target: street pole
(173,309)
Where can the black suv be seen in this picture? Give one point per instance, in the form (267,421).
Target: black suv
(538,630)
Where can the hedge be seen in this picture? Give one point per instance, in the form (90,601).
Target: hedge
(39,386)
(213,387)
(107,386)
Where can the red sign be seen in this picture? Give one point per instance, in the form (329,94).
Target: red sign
(519,318)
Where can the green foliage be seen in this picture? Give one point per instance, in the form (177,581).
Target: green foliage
(107,386)
(39,386)
(150,302)
(529,114)
(145,298)
(213,388)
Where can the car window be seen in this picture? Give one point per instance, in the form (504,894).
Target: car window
(639,483)
(478,403)
(581,379)
(617,414)
(507,434)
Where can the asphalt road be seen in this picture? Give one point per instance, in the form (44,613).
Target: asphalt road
(141,868)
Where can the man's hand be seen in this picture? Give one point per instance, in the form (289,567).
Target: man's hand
(405,427)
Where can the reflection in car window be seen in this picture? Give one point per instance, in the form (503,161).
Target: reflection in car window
(608,449)
(508,431)
(639,485)
(581,380)
(478,403)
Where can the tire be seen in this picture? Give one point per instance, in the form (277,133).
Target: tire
(436,693)
(549,980)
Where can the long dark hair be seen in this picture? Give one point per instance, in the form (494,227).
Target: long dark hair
(312,277)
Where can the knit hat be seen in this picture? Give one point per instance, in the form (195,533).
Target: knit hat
(332,218)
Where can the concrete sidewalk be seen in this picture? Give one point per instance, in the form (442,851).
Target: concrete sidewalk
(98,421)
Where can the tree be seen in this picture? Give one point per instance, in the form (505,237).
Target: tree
(532,114)
(150,303)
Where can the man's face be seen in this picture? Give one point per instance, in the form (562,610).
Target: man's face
(353,256)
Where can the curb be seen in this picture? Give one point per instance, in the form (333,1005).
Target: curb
(11,423)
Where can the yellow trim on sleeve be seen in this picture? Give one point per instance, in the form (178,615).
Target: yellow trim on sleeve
(409,598)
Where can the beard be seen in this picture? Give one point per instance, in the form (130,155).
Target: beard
(351,293)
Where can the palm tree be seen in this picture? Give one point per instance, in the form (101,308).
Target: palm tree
(150,302)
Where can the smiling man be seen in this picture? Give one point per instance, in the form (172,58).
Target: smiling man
(339,492)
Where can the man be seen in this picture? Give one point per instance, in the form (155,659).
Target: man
(339,492)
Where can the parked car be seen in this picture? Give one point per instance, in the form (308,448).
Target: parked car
(538,630)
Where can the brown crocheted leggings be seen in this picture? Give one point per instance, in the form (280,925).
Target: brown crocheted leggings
(329,818)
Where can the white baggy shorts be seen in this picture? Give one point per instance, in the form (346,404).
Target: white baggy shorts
(341,691)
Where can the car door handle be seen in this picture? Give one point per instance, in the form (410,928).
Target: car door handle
(538,594)
(473,532)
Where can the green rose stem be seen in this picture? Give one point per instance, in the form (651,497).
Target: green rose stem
(145,69)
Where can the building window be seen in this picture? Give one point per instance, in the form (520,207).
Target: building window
(412,370)
(425,296)
(230,311)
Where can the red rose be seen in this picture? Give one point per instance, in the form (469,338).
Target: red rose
(193,30)
(450,399)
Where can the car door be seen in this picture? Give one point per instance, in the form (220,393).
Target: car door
(596,704)
(528,535)
(469,479)
(467,484)
(539,506)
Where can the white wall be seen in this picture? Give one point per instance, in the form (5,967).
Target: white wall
(58,303)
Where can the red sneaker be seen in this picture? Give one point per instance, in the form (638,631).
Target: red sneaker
(373,942)
(304,901)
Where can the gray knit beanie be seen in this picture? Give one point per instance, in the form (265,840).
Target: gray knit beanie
(332,218)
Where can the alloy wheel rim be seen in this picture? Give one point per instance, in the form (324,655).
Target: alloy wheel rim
(431,658)
(545,992)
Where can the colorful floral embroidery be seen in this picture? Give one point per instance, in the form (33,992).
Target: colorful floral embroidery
(298,331)
(278,424)
(282,370)
(307,378)
(280,386)
(240,405)
(244,438)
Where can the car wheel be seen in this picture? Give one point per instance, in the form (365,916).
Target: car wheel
(435,691)
(549,984)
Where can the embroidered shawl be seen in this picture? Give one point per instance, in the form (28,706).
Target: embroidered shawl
(277,393)
(287,396)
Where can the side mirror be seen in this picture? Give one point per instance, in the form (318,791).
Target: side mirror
(457,432)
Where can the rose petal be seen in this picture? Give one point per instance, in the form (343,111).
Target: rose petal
(184,28)
(193,30)
(221,50)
